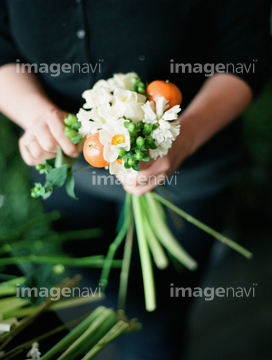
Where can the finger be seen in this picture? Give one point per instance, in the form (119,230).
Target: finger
(38,152)
(46,139)
(144,187)
(146,164)
(26,155)
(156,168)
(31,151)
(56,126)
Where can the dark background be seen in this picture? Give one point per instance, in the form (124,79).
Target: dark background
(225,328)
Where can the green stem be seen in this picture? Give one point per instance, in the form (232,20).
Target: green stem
(28,344)
(225,240)
(146,264)
(10,304)
(96,261)
(114,246)
(124,275)
(95,337)
(82,168)
(29,319)
(8,290)
(92,329)
(73,335)
(58,305)
(59,160)
(156,249)
(165,236)
(116,331)
(56,238)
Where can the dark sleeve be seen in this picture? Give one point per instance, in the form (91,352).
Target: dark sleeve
(243,39)
(8,51)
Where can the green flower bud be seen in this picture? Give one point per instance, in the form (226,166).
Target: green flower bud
(139,156)
(131,162)
(141,90)
(70,120)
(148,127)
(140,141)
(70,133)
(40,167)
(121,152)
(131,127)
(134,80)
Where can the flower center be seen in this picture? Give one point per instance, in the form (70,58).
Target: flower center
(118,139)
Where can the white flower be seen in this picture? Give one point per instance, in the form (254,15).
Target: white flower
(164,135)
(128,103)
(90,122)
(117,167)
(121,81)
(152,113)
(112,136)
(167,131)
(96,97)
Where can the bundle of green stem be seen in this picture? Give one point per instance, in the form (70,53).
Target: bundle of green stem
(154,238)
(93,332)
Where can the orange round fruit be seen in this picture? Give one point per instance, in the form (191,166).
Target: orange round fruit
(93,151)
(166,89)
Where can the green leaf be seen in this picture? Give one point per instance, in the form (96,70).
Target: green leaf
(126,165)
(128,155)
(153,146)
(76,139)
(126,124)
(57,177)
(70,185)
(146,147)
(136,167)
(76,125)
(48,190)
(147,157)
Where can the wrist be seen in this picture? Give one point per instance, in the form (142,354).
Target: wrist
(186,139)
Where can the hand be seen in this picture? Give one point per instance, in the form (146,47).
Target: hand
(154,172)
(43,137)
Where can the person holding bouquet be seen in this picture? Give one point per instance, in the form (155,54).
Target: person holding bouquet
(155,40)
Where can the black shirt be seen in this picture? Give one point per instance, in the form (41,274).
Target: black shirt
(148,37)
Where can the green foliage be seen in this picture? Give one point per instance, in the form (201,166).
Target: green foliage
(141,141)
(16,206)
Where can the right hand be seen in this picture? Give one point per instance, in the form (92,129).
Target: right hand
(43,137)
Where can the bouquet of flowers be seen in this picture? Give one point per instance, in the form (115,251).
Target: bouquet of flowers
(122,124)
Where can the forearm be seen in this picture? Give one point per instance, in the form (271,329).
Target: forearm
(221,99)
(22,98)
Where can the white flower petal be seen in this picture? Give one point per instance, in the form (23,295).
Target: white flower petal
(172,114)
(161,106)
(150,115)
(110,154)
